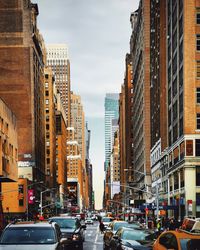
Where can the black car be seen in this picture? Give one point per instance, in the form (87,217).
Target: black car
(71,229)
(129,238)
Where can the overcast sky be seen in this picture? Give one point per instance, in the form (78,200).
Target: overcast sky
(97,33)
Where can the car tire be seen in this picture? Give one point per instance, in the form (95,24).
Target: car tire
(81,246)
(105,247)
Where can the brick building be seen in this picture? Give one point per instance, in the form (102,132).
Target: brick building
(21,82)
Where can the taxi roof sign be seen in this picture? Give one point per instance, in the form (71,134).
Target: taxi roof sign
(191,225)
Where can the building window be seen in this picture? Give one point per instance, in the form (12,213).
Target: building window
(197,175)
(198,16)
(175,133)
(175,111)
(198,120)
(197,147)
(198,69)
(174,87)
(47,101)
(189,148)
(198,95)
(198,42)
(46,84)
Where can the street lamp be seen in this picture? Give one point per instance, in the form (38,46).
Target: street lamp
(41,193)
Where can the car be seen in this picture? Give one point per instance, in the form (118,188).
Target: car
(178,240)
(110,231)
(89,221)
(31,235)
(71,229)
(130,238)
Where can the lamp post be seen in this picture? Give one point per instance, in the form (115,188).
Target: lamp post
(27,208)
(41,193)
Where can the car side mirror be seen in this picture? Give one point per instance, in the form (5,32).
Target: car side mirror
(116,237)
(63,240)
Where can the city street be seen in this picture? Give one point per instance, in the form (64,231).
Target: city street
(93,238)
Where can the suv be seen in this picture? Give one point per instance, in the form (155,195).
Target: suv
(31,235)
(71,229)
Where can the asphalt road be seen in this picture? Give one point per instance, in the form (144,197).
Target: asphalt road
(93,238)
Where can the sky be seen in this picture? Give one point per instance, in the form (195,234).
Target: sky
(97,33)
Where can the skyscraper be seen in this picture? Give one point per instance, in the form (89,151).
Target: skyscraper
(57,59)
(111,112)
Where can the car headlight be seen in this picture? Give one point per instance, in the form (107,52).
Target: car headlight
(75,237)
(126,248)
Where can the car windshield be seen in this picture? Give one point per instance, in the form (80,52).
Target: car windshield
(30,235)
(190,244)
(65,223)
(134,235)
(119,224)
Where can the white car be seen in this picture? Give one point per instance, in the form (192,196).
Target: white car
(30,235)
(89,221)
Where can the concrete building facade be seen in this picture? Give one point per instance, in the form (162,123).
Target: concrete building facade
(58,60)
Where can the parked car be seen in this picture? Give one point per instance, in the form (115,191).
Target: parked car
(89,221)
(71,229)
(130,238)
(110,231)
(31,235)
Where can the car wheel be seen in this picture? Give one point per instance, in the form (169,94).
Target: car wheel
(105,247)
(81,246)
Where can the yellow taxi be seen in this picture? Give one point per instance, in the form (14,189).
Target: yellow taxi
(187,238)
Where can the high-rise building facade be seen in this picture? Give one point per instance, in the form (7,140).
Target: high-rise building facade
(61,150)
(58,60)
(158,89)
(180,164)
(111,106)
(140,46)
(78,123)
(50,128)
(22,59)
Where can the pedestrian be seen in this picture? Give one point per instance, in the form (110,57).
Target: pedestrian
(101,227)
(172,225)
